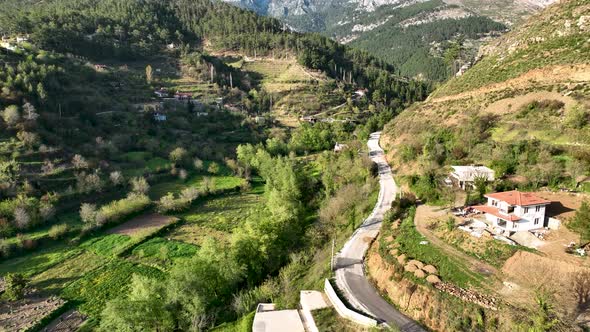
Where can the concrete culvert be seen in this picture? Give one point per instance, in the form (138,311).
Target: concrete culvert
(430,269)
(433,279)
(419,273)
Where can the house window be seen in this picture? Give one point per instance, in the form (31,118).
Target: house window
(537,208)
(514,225)
(536,221)
(494,203)
(510,209)
(526,210)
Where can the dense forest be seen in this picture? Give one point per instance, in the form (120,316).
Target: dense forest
(86,145)
(126,29)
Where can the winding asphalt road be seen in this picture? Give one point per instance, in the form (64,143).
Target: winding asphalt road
(350,276)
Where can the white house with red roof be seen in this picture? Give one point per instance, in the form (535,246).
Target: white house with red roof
(514,211)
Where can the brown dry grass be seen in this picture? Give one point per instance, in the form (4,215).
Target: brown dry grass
(537,273)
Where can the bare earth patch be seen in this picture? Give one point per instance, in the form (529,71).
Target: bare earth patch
(145,223)
(509,105)
(23,314)
(532,271)
(564,204)
(69,321)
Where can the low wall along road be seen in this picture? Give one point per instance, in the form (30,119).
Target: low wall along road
(349,269)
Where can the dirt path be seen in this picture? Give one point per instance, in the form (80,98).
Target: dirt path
(144,223)
(424,213)
(71,320)
(578,73)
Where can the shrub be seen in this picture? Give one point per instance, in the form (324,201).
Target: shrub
(6,229)
(139,185)
(22,219)
(189,194)
(15,285)
(58,231)
(116,178)
(117,210)
(182,174)
(198,164)
(46,211)
(177,155)
(88,213)
(576,118)
(213,168)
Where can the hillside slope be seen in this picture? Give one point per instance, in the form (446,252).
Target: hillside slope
(413,35)
(522,109)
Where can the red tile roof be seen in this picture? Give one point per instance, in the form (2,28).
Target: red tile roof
(495,212)
(516,197)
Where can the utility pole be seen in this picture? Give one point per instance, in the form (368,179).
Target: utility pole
(231,81)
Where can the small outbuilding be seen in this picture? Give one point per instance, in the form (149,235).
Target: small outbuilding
(465,176)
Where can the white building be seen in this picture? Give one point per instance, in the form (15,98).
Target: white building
(159,117)
(465,176)
(267,319)
(514,211)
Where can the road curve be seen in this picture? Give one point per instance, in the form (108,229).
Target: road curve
(350,276)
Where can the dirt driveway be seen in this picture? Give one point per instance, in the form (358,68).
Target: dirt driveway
(144,223)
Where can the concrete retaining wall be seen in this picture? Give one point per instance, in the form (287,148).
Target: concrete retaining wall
(343,310)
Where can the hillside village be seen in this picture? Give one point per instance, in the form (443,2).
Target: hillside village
(164,170)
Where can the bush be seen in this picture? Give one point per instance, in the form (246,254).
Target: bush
(15,285)
(117,210)
(58,231)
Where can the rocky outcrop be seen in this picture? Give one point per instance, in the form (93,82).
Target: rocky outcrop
(468,295)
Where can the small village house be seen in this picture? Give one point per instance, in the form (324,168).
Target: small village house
(159,117)
(465,176)
(161,93)
(183,95)
(514,211)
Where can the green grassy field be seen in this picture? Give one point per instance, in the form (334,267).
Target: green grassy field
(449,268)
(279,75)
(108,245)
(162,252)
(39,261)
(95,288)
(217,217)
(221,182)
(54,279)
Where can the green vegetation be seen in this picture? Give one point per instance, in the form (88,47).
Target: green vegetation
(415,54)
(108,245)
(84,147)
(554,46)
(328,320)
(449,268)
(581,222)
(243,324)
(14,286)
(163,252)
(95,288)
(36,262)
